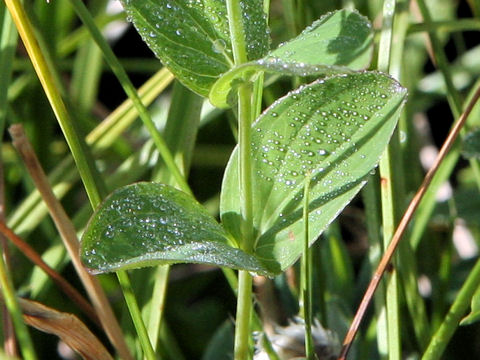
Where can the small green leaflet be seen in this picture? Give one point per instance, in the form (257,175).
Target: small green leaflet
(148,224)
(338,42)
(474,315)
(335,129)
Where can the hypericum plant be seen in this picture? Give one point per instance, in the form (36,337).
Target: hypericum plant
(329,134)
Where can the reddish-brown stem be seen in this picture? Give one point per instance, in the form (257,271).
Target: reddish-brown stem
(63,284)
(402,226)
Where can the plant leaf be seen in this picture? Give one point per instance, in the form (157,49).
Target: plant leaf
(471,145)
(192,38)
(339,41)
(147,224)
(221,343)
(66,326)
(335,129)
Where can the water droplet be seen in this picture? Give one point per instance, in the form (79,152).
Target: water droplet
(219,46)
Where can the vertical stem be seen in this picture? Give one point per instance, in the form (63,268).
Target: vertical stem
(243,316)
(26,345)
(371,200)
(462,301)
(130,90)
(8,44)
(244,143)
(136,315)
(86,166)
(306,277)
(389,213)
(237,32)
(245,115)
(289,16)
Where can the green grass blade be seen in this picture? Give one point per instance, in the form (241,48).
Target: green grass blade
(129,89)
(442,336)
(390,208)
(306,278)
(25,342)
(29,213)
(86,72)
(86,167)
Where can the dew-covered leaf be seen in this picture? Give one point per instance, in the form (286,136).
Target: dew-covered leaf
(192,37)
(147,224)
(334,129)
(340,41)
(471,145)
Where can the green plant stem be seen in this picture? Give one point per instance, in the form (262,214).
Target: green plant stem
(70,42)
(31,211)
(389,213)
(136,315)
(237,31)
(243,316)
(371,199)
(180,134)
(245,115)
(306,277)
(244,302)
(9,38)
(25,342)
(407,267)
(462,301)
(130,90)
(289,16)
(158,303)
(90,176)
(8,44)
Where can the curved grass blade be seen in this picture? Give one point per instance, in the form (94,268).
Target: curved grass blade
(335,129)
(192,38)
(474,315)
(147,224)
(339,41)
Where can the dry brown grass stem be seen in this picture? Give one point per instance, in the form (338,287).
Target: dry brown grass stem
(402,226)
(69,236)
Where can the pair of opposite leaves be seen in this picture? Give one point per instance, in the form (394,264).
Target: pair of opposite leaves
(333,129)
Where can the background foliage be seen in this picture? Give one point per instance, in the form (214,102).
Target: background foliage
(443,240)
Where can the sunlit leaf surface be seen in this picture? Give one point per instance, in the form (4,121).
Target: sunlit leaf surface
(335,129)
